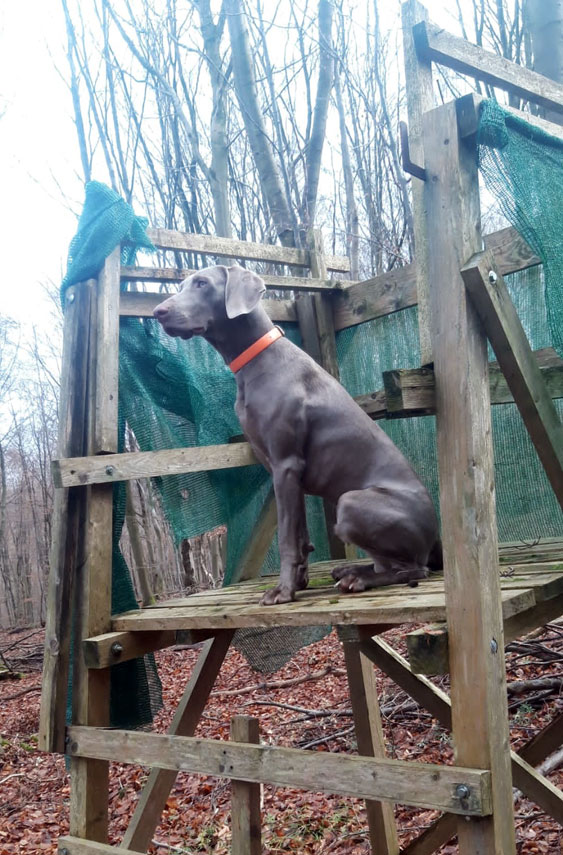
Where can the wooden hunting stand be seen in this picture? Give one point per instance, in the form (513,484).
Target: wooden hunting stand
(462,302)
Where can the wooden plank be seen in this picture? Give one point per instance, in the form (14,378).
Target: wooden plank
(382,295)
(544,743)
(245,797)
(437,45)
(140,304)
(110,648)
(89,790)
(280,283)
(469,121)
(464,442)
(428,650)
(520,624)
(429,696)
(107,360)
(79,471)
(393,608)
(371,743)
(412,391)
(417,784)
(188,713)
(67,512)
(420,98)
(76,846)
(538,788)
(225,247)
(374,404)
(509,341)
(511,251)
(260,541)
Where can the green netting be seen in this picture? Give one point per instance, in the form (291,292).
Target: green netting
(523,168)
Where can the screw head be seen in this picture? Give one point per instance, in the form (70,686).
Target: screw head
(110,470)
(494,645)
(493,278)
(70,297)
(462,791)
(116,649)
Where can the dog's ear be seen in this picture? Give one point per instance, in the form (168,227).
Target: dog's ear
(243,291)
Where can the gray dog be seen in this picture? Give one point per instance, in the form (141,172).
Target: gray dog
(312,437)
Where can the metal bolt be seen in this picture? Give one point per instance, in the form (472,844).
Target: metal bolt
(70,298)
(64,851)
(494,645)
(493,278)
(109,470)
(116,649)
(462,791)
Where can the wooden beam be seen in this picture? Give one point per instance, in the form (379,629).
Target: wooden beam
(465,459)
(76,846)
(544,743)
(89,791)
(509,341)
(107,469)
(371,743)
(412,391)
(228,248)
(430,697)
(110,648)
(68,513)
(428,650)
(417,784)
(518,625)
(420,98)
(437,45)
(279,283)
(140,304)
(245,797)
(470,118)
(188,713)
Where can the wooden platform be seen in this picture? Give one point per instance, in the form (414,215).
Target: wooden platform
(524,587)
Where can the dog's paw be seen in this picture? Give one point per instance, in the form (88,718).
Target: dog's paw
(351,583)
(278,595)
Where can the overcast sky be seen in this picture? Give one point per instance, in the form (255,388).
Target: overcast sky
(41,190)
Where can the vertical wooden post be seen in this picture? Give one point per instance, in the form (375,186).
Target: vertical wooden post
(67,512)
(316,324)
(369,736)
(245,799)
(420,99)
(467,494)
(92,602)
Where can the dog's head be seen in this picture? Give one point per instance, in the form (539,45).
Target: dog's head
(208,297)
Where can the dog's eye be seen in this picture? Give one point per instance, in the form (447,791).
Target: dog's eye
(199,283)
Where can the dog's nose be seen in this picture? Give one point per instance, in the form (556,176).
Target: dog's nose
(161,311)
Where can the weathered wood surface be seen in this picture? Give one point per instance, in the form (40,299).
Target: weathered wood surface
(245,797)
(108,469)
(280,283)
(227,248)
(519,624)
(140,304)
(538,551)
(75,846)
(89,792)
(260,540)
(412,391)
(420,98)
(417,784)
(509,341)
(465,459)
(239,605)
(108,649)
(436,44)
(188,713)
(428,650)
(544,743)
(370,741)
(469,121)
(68,514)
(433,699)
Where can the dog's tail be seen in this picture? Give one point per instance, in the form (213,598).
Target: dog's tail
(435,561)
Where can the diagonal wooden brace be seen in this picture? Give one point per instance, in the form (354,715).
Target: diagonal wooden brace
(496,310)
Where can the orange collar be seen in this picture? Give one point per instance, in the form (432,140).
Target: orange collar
(256,348)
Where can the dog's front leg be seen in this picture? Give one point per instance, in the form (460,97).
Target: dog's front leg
(292,533)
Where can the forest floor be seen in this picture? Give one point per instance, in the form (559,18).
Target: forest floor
(34,804)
